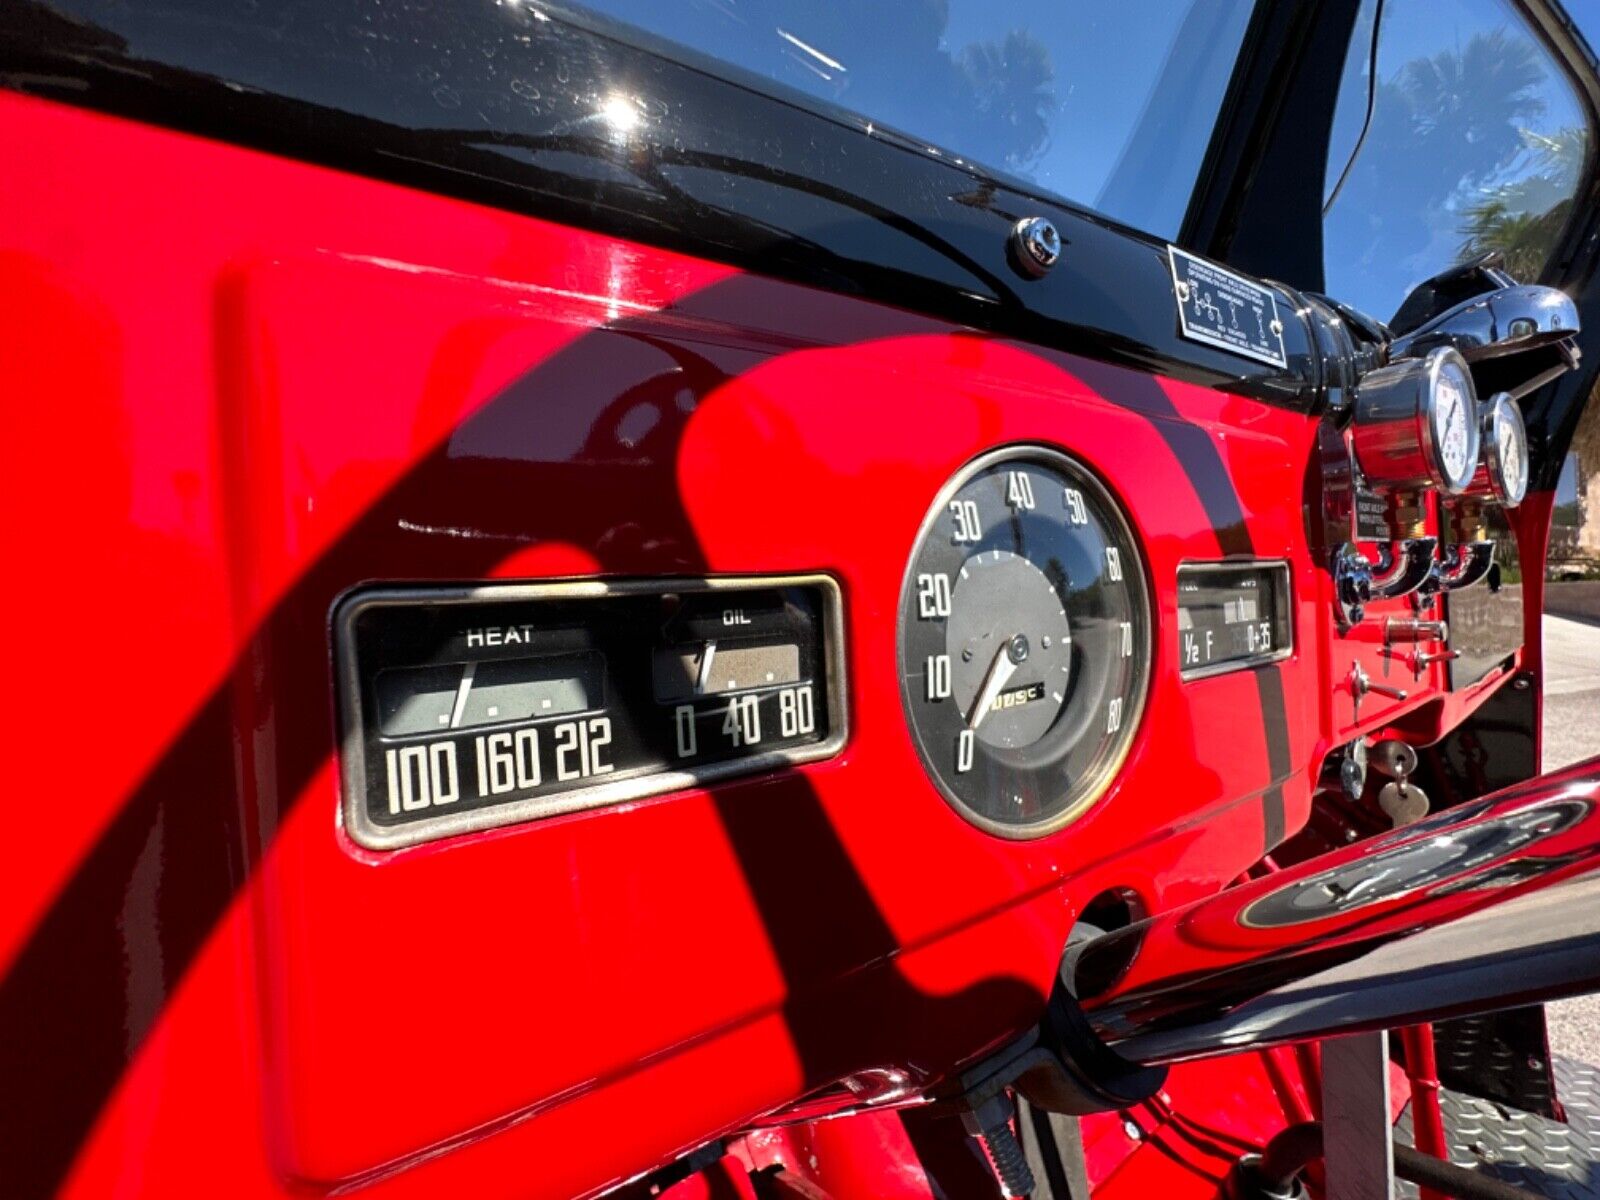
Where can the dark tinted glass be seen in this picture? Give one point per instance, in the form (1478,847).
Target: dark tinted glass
(1107,106)
(1477,142)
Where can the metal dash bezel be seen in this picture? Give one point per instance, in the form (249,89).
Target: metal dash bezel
(1215,566)
(353,778)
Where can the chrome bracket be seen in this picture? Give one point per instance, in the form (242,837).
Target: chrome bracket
(1403,566)
(1352,583)
(1460,566)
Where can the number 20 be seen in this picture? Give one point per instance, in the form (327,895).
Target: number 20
(933,596)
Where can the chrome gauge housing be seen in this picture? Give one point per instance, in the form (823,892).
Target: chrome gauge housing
(1504,473)
(1024,641)
(1416,424)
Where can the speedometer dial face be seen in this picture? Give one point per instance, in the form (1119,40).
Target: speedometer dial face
(1024,641)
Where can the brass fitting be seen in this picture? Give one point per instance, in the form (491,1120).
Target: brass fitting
(1408,518)
(1466,521)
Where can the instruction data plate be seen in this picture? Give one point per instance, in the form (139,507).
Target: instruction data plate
(1228,311)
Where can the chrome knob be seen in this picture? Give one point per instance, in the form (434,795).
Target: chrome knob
(1396,629)
(1035,246)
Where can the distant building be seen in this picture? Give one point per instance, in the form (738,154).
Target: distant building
(1575,529)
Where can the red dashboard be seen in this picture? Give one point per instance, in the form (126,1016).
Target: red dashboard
(268,384)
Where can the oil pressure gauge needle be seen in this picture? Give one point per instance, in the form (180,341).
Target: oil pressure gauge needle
(1000,670)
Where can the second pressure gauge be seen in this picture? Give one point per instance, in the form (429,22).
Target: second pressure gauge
(1504,473)
(1416,424)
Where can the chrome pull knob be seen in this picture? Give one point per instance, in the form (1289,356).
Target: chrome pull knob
(1396,629)
(1361,683)
(1426,657)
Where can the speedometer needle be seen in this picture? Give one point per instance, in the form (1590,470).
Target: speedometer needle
(1000,670)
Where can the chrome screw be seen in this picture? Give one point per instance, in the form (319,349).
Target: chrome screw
(1036,246)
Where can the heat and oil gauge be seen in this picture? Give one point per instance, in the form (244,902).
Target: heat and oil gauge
(466,708)
(1024,640)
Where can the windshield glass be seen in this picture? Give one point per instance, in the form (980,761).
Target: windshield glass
(1108,109)
(1477,142)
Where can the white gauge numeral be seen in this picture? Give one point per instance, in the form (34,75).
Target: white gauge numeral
(1126,629)
(742,722)
(933,596)
(1114,715)
(420,776)
(968,527)
(938,673)
(507,762)
(796,714)
(964,751)
(683,721)
(1019,489)
(582,741)
(1113,565)
(1077,510)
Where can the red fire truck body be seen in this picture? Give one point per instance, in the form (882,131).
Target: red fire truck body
(276,387)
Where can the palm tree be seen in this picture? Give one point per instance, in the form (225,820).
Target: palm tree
(1013,83)
(1523,217)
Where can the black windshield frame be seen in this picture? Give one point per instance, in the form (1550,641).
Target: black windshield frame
(856,213)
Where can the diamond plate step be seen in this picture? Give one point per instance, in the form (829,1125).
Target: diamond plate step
(1559,1161)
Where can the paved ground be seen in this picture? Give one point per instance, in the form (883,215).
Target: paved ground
(1572,732)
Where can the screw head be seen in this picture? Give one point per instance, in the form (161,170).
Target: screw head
(1018,649)
(1037,245)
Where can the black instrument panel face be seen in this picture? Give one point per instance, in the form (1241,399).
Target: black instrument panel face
(1232,616)
(468,708)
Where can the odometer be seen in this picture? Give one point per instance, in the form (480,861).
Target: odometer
(1024,640)
(468,708)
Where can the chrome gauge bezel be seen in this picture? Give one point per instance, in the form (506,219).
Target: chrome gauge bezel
(1500,413)
(1438,362)
(1087,790)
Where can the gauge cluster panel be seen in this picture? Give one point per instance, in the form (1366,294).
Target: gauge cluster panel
(1024,640)
(469,708)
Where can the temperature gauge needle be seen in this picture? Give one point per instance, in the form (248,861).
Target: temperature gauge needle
(1000,670)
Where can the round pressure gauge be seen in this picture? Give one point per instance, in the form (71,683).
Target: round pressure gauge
(1452,419)
(1024,641)
(1504,473)
(1416,423)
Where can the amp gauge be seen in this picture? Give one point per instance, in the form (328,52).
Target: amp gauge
(1503,475)
(1416,424)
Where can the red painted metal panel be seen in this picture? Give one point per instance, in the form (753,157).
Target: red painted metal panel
(238,386)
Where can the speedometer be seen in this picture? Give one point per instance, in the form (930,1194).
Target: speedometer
(1024,640)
